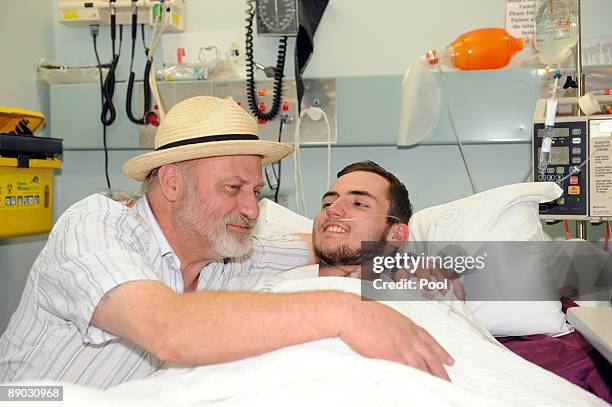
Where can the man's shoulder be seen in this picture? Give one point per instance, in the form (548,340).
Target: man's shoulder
(286,249)
(95,203)
(268,239)
(96,212)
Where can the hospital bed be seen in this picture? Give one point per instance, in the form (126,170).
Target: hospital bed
(327,372)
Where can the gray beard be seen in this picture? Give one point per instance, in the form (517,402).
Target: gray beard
(195,224)
(229,244)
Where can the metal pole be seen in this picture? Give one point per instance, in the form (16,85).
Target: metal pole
(581,225)
(579,74)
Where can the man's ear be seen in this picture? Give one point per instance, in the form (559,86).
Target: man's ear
(170,182)
(398,233)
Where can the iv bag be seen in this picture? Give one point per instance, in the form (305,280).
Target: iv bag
(419,104)
(556,29)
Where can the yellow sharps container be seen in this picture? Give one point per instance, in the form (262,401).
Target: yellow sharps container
(26,196)
(26,174)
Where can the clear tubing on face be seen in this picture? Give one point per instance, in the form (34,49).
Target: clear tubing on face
(372,216)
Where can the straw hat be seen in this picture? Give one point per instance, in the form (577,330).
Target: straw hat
(204,126)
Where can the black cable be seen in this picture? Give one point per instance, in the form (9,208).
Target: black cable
(278,72)
(146,83)
(109,113)
(134,37)
(108,183)
(278,177)
(94,34)
(268,178)
(142,35)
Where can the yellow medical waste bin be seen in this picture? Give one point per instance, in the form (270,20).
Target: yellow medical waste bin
(26,196)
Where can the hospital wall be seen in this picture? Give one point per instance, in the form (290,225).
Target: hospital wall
(355,38)
(26,36)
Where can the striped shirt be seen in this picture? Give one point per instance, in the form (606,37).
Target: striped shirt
(96,245)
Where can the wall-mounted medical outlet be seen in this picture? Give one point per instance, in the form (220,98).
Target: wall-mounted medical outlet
(320,93)
(79,13)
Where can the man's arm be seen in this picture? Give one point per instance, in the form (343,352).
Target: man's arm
(214,327)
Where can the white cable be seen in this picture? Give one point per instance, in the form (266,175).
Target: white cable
(297,158)
(575,170)
(315,114)
(369,217)
(328,148)
(297,174)
(549,124)
(529,176)
(158,30)
(303,199)
(452,123)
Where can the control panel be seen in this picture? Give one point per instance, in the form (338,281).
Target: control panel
(570,147)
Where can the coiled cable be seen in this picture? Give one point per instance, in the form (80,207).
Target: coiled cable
(146,84)
(278,71)
(94,33)
(109,113)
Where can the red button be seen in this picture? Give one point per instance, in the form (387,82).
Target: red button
(573,180)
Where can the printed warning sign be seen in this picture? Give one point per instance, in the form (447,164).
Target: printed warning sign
(520,18)
(601,168)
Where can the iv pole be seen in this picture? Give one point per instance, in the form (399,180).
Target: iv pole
(581,225)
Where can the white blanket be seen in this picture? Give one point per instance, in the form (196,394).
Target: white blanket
(327,372)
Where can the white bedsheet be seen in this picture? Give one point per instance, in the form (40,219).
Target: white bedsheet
(327,372)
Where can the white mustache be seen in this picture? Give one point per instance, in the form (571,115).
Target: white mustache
(240,221)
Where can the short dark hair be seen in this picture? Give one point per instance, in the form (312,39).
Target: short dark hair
(399,201)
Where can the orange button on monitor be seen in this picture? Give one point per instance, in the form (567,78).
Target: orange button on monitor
(573,190)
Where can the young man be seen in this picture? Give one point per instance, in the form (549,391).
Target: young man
(366,203)
(117,291)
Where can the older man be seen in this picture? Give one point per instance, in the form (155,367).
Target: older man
(116,291)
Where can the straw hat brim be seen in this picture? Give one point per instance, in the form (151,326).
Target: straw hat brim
(140,166)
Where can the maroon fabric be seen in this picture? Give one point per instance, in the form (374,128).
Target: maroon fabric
(569,356)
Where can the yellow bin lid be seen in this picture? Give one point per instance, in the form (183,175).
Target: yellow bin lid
(33,163)
(16,121)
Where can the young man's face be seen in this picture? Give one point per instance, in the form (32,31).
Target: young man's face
(362,196)
(220,201)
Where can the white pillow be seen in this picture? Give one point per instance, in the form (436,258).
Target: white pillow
(508,213)
(275,219)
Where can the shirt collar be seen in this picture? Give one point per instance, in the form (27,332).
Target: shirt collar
(144,210)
